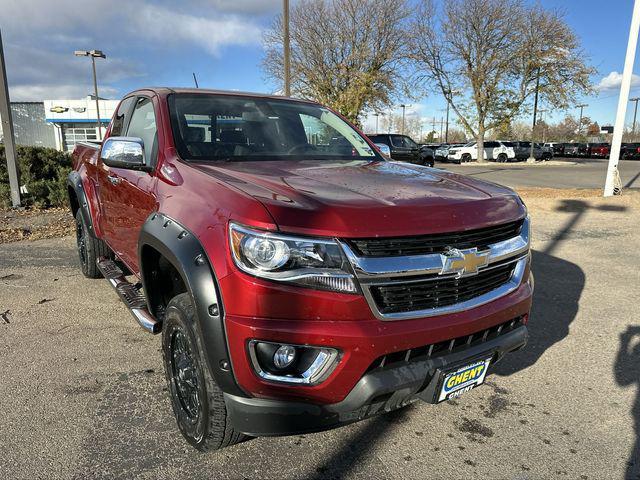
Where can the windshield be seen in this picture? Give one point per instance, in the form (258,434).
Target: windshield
(224,127)
(470,144)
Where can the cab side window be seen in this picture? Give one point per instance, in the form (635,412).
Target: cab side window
(143,125)
(120,119)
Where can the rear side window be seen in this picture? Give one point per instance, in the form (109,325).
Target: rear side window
(143,125)
(403,141)
(491,144)
(119,121)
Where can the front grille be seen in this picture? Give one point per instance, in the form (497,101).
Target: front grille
(446,347)
(436,243)
(438,292)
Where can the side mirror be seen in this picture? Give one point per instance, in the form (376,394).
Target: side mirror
(124,152)
(384,149)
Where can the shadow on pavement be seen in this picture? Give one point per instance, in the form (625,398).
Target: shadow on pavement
(341,463)
(558,287)
(627,372)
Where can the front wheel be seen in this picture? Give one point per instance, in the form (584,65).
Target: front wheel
(197,401)
(466,157)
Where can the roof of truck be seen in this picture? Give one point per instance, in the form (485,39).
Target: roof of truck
(207,91)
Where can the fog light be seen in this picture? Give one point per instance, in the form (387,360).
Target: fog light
(284,356)
(301,364)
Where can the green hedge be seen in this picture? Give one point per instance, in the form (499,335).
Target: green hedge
(43,171)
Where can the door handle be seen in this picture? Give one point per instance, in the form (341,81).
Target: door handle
(113,179)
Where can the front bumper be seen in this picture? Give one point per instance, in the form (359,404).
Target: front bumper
(382,389)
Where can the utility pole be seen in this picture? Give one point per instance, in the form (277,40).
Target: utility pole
(635,113)
(446,130)
(7,129)
(580,121)
(441,124)
(287,49)
(531,158)
(613,185)
(94,54)
(376,115)
(403,106)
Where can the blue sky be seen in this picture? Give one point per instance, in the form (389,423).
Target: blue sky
(161,42)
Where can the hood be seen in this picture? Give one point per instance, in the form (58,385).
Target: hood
(368,199)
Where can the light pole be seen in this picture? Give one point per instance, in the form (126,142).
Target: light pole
(635,113)
(94,54)
(581,106)
(403,106)
(287,49)
(376,115)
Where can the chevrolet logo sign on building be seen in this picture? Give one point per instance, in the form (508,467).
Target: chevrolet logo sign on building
(58,109)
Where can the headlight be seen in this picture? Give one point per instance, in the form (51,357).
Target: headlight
(317,263)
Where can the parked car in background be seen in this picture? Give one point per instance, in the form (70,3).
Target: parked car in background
(630,151)
(404,149)
(547,151)
(522,150)
(574,149)
(442,152)
(600,150)
(557,149)
(493,150)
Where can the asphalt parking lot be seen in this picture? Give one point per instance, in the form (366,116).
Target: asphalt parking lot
(82,391)
(562,173)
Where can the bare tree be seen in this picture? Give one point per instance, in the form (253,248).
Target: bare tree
(344,53)
(493,53)
(414,126)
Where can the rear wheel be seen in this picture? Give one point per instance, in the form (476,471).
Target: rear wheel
(197,401)
(502,157)
(89,248)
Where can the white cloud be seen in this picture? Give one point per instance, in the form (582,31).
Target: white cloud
(36,74)
(614,80)
(41,37)
(211,34)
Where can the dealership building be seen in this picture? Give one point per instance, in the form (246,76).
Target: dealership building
(60,124)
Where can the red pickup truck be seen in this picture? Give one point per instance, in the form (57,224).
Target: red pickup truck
(300,280)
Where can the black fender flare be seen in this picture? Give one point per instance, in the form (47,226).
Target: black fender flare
(74,181)
(184,251)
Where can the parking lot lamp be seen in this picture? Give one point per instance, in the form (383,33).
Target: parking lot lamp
(94,54)
(376,115)
(403,106)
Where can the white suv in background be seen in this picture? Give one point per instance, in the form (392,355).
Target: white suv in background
(493,150)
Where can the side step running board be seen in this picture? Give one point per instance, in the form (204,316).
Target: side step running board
(129,294)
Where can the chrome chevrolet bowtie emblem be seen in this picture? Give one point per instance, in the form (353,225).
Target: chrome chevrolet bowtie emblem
(463,262)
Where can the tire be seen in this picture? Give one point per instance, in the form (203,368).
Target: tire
(466,157)
(197,401)
(502,157)
(89,248)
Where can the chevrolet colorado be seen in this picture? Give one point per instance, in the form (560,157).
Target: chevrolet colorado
(299,279)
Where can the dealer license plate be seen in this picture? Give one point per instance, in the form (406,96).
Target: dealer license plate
(463,379)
